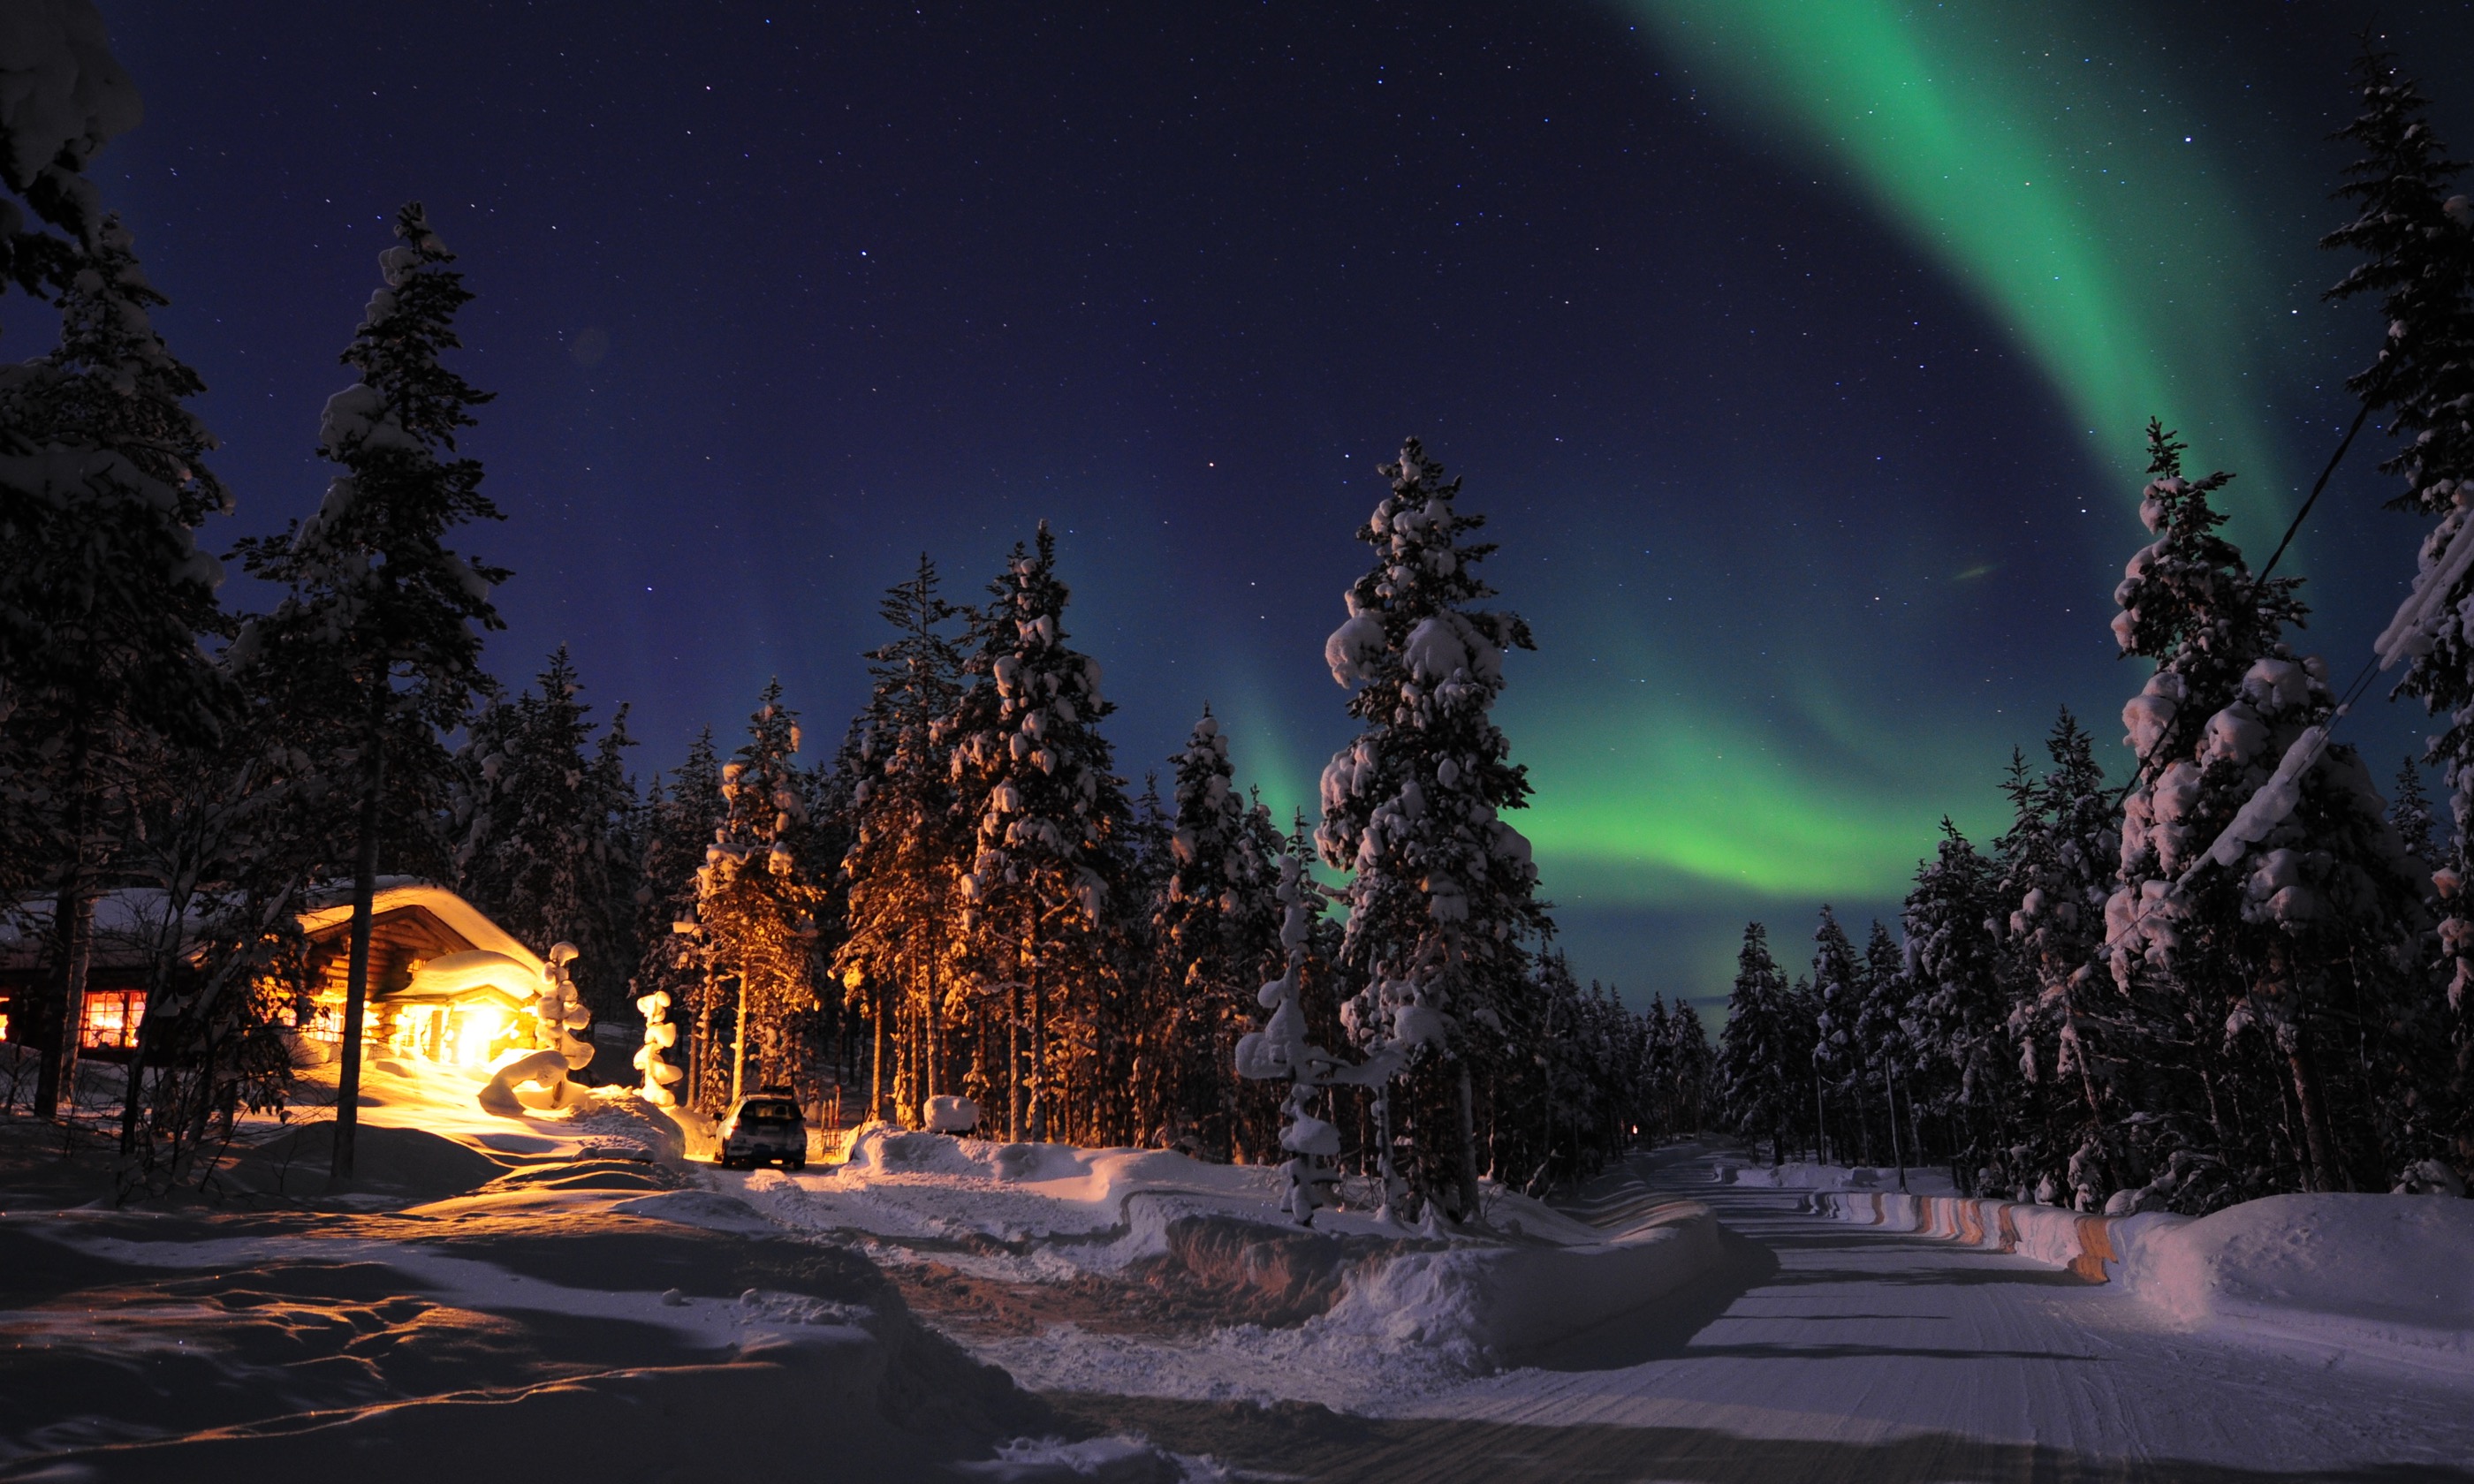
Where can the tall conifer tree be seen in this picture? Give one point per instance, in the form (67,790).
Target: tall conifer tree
(1442,895)
(379,639)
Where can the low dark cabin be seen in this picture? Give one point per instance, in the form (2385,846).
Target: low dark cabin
(446,983)
(129,925)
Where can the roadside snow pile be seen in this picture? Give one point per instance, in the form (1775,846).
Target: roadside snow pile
(1796,1175)
(2388,1277)
(1114,1460)
(2378,1278)
(1476,1307)
(1212,1234)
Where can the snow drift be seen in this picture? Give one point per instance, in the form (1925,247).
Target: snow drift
(1475,1307)
(2387,1278)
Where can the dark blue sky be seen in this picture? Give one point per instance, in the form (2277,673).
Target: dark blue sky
(1811,532)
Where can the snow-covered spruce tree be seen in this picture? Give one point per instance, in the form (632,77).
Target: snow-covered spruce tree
(2069,1028)
(908,847)
(65,97)
(1881,1042)
(1032,771)
(1217,931)
(1676,1068)
(1442,899)
(380,632)
(542,817)
(755,906)
(1956,1059)
(104,595)
(1838,994)
(2409,811)
(2262,899)
(672,834)
(1762,1065)
(1284,1048)
(2415,237)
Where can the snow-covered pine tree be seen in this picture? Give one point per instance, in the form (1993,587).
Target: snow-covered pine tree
(2260,888)
(2415,237)
(1761,1068)
(1031,770)
(2409,812)
(67,97)
(542,817)
(104,596)
(1690,1063)
(674,831)
(1284,1048)
(1838,994)
(2071,1030)
(1881,1034)
(908,847)
(380,632)
(755,905)
(1957,1061)
(1442,897)
(1216,931)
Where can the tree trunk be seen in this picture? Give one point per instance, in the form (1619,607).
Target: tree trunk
(1890,1100)
(2325,1173)
(1013,1061)
(1040,1063)
(356,976)
(933,1080)
(1820,1118)
(72,924)
(739,1045)
(1465,1110)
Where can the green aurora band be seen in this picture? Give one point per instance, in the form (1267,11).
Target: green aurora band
(2071,195)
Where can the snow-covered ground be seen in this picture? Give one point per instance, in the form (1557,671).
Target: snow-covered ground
(1243,1302)
(939,1305)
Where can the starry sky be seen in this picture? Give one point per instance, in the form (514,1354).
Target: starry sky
(1799,350)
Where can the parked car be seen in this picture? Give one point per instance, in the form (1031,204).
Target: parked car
(764,1128)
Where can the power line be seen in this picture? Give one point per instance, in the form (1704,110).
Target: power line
(2300,516)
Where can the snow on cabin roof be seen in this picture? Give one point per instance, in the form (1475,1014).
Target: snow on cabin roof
(460,917)
(129,922)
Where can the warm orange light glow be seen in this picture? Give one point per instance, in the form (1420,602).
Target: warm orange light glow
(111,1018)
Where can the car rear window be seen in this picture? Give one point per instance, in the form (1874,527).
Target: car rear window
(769,1113)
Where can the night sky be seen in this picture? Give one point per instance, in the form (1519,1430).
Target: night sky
(1799,350)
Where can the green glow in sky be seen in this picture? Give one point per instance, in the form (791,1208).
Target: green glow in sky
(1655,798)
(2053,176)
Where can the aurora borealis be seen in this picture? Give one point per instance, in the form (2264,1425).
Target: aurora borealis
(1798,348)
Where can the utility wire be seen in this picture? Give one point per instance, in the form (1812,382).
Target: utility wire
(2361,682)
(2302,514)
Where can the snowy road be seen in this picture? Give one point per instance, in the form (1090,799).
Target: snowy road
(1831,1351)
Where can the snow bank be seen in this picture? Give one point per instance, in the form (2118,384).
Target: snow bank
(2381,1278)
(1475,1307)
(1796,1175)
(2047,1233)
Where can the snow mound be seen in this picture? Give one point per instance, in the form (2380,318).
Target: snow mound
(413,1164)
(2383,1276)
(1796,1175)
(702,1209)
(1477,1308)
(1117,1460)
